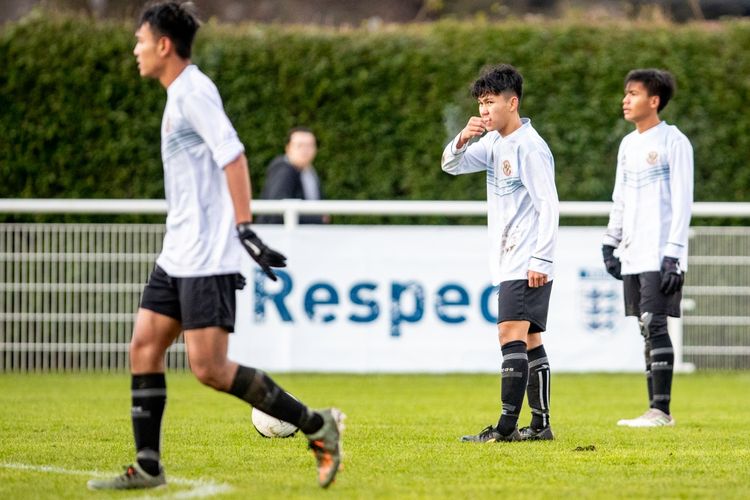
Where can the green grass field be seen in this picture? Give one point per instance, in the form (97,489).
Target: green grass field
(401,439)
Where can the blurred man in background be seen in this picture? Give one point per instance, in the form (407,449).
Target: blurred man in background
(293,176)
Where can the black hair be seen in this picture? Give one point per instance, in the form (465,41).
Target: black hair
(176,21)
(496,80)
(657,82)
(299,129)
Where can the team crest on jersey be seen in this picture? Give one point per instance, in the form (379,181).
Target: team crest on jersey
(652,158)
(506,167)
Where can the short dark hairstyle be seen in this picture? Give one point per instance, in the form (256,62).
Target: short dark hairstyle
(498,80)
(176,21)
(299,129)
(657,82)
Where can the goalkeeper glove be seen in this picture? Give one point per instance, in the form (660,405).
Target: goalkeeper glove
(264,256)
(611,262)
(671,276)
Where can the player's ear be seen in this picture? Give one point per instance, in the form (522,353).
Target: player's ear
(655,99)
(513,103)
(164,46)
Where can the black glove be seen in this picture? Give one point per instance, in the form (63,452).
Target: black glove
(611,262)
(671,276)
(264,256)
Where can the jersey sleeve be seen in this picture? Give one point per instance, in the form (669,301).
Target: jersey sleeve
(470,158)
(681,191)
(537,174)
(206,115)
(613,235)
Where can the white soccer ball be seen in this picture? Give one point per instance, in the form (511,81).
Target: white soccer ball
(271,427)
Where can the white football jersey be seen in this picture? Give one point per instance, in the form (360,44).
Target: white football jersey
(523,209)
(197,142)
(653,197)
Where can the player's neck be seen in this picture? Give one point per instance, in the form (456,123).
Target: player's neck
(647,123)
(512,125)
(172,70)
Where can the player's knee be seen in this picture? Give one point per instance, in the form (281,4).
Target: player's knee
(209,374)
(653,325)
(142,351)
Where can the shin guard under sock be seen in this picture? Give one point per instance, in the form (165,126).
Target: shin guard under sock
(538,388)
(662,368)
(514,376)
(149,396)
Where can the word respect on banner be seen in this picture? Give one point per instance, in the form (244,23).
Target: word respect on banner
(407,302)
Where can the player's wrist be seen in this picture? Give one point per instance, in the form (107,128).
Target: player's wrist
(244,228)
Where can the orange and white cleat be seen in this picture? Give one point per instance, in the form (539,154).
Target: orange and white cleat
(326,445)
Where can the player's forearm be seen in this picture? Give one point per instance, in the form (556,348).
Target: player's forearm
(544,254)
(451,157)
(456,161)
(238,182)
(613,235)
(681,188)
(680,226)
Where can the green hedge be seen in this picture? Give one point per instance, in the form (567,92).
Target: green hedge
(77,121)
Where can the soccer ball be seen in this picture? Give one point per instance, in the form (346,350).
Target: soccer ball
(271,427)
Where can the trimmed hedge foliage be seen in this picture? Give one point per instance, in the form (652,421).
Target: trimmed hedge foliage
(77,121)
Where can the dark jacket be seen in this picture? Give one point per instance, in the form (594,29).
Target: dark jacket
(284,181)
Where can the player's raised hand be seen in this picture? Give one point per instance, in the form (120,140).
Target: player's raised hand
(474,128)
(264,256)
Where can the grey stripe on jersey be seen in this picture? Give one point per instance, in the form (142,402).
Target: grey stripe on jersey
(180,140)
(639,179)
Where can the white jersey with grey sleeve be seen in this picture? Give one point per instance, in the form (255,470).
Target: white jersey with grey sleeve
(653,197)
(523,208)
(197,142)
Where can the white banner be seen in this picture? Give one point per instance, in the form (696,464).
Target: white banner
(418,299)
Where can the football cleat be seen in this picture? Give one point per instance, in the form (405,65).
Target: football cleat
(133,478)
(652,418)
(531,434)
(490,435)
(326,445)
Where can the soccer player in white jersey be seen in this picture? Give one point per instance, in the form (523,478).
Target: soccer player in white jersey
(646,243)
(522,219)
(192,287)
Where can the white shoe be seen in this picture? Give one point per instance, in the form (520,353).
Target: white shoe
(652,418)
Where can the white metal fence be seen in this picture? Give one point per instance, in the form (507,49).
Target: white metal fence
(716,323)
(69,292)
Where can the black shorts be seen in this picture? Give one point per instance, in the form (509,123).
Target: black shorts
(643,294)
(517,301)
(194,302)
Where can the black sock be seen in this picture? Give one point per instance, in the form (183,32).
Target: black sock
(149,396)
(514,376)
(538,389)
(649,375)
(662,367)
(258,389)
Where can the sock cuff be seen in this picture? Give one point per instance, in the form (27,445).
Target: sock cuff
(661,351)
(243,379)
(539,362)
(537,352)
(513,347)
(148,381)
